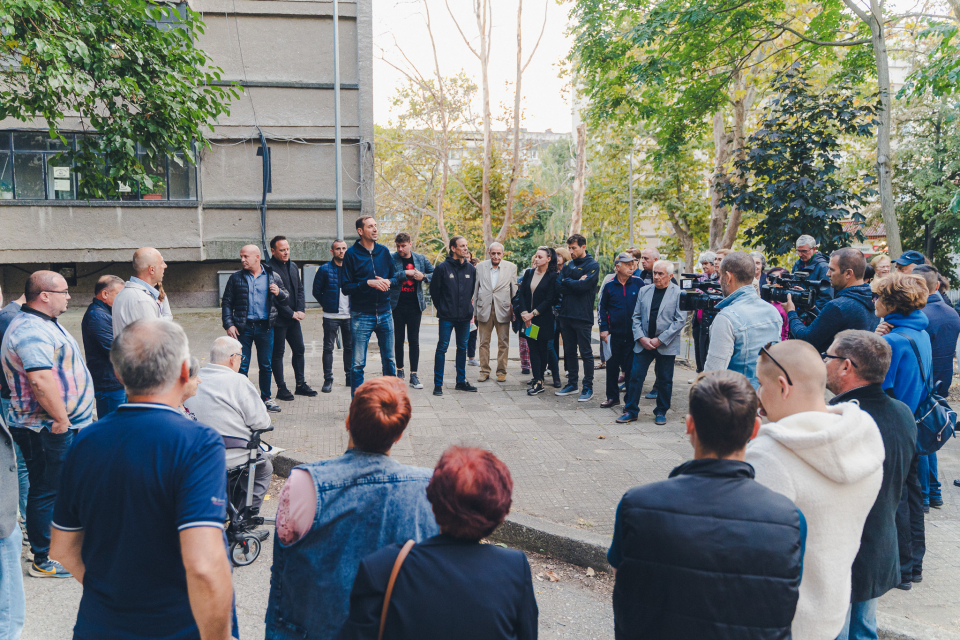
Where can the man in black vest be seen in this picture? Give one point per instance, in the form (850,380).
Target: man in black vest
(857,363)
(682,576)
(287,327)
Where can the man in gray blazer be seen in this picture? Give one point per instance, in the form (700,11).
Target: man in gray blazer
(657,323)
(493,292)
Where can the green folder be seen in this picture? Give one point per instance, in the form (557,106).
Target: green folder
(532,332)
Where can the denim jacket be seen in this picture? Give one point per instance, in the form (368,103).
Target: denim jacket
(744,325)
(365,501)
(421,264)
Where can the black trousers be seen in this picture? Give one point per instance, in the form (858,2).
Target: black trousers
(330,327)
(472,345)
(697,339)
(621,361)
(577,334)
(910,528)
(407,317)
(539,353)
(292,334)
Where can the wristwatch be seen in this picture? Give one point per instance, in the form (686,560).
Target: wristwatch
(536,312)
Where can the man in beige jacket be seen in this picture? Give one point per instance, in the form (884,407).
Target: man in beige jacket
(493,291)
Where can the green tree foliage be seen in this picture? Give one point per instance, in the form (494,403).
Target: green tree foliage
(928,171)
(789,179)
(128,69)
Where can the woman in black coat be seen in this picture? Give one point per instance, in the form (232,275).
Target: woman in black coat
(538,294)
(451,586)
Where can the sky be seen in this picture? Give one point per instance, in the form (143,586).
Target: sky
(399,25)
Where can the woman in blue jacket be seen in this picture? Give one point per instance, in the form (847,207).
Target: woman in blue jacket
(900,299)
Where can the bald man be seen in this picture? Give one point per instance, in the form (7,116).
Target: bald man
(142,296)
(829,461)
(249,309)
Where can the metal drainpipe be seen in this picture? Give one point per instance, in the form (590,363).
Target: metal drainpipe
(265,151)
(338,161)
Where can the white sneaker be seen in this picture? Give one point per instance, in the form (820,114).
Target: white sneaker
(473,362)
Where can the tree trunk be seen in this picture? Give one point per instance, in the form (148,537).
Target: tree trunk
(741,107)
(721,153)
(515,169)
(579,179)
(444,132)
(884,161)
(482,10)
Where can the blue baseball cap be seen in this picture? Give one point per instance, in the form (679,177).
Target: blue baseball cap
(910,257)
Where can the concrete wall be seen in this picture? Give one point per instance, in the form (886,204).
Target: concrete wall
(280,52)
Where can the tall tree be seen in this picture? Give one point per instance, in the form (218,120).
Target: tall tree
(128,69)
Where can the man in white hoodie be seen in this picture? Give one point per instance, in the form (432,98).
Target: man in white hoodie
(829,462)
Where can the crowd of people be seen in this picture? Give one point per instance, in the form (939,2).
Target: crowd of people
(126,445)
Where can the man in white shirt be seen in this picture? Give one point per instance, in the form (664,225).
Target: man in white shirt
(229,403)
(493,292)
(143,295)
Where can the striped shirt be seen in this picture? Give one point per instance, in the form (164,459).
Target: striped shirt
(37,342)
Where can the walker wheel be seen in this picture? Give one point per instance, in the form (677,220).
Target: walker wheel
(244,552)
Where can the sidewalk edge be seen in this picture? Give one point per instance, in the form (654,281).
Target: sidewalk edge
(892,627)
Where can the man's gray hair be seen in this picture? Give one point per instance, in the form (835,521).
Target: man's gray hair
(870,352)
(707,257)
(666,264)
(223,348)
(806,241)
(148,356)
(494,244)
(653,251)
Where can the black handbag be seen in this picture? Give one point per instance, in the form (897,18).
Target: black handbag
(936,421)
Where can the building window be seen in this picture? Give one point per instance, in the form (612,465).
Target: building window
(32,167)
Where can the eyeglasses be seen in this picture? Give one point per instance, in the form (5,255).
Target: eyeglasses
(763,351)
(826,356)
(64,292)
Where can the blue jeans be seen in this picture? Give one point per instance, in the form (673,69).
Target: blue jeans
(260,333)
(362,326)
(929,484)
(861,621)
(108,401)
(447,327)
(44,453)
(13,603)
(23,477)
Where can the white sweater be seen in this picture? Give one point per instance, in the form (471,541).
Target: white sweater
(229,403)
(831,466)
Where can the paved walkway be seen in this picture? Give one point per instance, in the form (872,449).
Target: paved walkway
(570,461)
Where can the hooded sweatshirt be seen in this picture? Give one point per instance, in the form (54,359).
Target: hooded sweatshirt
(851,309)
(905,379)
(831,466)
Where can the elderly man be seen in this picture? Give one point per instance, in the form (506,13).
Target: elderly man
(287,329)
(139,518)
(97,331)
(909,260)
(744,322)
(143,295)
(228,402)
(618,299)
(815,263)
(51,399)
(249,309)
(657,323)
(647,258)
(493,292)
(829,462)
(408,303)
(857,364)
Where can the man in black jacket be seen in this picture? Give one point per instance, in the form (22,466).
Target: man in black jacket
(857,363)
(97,331)
(680,574)
(578,290)
(451,290)
(249,310)
(287,327)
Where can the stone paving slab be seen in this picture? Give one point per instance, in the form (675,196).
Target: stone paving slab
(570,461)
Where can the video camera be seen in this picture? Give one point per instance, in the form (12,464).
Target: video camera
(803,291)
(699,296)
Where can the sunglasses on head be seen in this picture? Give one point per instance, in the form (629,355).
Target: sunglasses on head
(764,351)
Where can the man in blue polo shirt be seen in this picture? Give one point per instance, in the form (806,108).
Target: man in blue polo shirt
(140,513)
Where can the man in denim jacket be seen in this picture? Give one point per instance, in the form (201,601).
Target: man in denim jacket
(335,512)
(745,322)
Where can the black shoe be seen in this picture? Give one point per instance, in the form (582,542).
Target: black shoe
(304,390)
(936,503)
(284,394)
(926,508)
(609,402)
(415,381)
(328,386)
(261,534)
(526,372)
(531,382)
(905,586)
(465,386)
(556,383)
(536,389)
(438,390)
(918,578)
(400,373)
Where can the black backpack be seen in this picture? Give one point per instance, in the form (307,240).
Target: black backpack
(936,421)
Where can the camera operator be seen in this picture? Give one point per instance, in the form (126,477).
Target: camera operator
(816,264)
(744,322)
(852,308)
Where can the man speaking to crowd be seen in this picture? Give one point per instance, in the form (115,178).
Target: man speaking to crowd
(852,308)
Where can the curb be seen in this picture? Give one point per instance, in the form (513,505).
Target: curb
(587,549)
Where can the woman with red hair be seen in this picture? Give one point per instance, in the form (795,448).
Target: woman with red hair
(451,585)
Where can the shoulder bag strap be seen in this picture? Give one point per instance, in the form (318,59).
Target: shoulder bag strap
(916,351)
(393,579)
